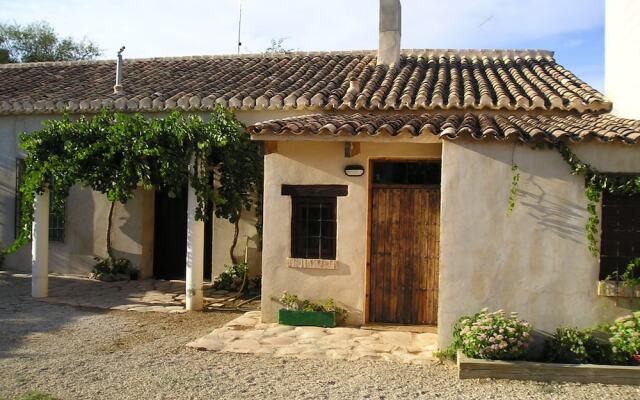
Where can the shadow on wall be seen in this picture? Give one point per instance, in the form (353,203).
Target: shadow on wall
(127,226)
(553,213)
(75,254)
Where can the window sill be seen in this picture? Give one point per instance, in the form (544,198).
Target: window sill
(311,263)
(617,289)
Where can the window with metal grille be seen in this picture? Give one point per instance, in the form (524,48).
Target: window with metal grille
(18,197)
(313,227)
(620,242)
(56,219)
(56,211)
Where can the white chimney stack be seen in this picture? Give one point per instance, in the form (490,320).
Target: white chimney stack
(389,33)
(622,56)
(117,88)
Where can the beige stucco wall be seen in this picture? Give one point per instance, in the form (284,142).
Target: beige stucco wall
(306,162)
(622,41)
(248,241)
(534,261)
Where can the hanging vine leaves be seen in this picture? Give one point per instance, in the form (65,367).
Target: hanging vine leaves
(115,153)
(513,191)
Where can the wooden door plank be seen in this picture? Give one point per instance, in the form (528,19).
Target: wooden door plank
(404,255)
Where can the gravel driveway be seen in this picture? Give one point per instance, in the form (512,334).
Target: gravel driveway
(75,353)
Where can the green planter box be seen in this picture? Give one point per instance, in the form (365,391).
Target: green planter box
(307,318)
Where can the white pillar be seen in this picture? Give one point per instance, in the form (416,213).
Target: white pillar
(195,254)
(40,247)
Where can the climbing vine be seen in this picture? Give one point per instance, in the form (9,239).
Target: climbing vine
(513,192)
(515,178)
(115,153)
(595,184)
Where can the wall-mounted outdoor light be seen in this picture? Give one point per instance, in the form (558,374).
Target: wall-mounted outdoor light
(354,170)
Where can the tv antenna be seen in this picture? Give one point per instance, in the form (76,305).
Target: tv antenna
(239,24)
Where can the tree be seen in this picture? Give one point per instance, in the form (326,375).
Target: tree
(39,42)
(277,47)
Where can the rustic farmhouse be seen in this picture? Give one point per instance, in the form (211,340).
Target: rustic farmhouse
(388,174)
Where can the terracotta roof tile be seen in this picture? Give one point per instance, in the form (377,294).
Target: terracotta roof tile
(479,125)
(422,80)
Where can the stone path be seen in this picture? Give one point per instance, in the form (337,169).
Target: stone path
(247,334)
(143,296)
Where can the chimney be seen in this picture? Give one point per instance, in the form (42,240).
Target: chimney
(621,56)
(117,88)
(389,33)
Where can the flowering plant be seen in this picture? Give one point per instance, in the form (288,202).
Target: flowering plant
(494,335)
(626,337)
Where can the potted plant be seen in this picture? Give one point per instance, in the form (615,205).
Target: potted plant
(298,312)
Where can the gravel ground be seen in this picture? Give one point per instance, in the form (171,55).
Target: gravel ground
(75,353)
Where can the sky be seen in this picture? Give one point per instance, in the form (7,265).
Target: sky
(574,29)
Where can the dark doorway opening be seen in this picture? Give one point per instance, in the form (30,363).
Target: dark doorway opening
(170,237)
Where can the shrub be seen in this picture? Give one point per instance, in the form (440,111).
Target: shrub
(631,274)
(492,336)
(626,337)
(575,346)
(113,269)
(293,302)
(448,354)
(232,277)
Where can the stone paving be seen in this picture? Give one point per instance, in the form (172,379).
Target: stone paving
(247,334)
(143,295)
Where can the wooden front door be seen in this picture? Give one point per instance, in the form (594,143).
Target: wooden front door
(405,226)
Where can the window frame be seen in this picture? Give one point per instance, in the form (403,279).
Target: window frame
(57,217)
(300,227)
(18,197)
(613,231)
(306,195)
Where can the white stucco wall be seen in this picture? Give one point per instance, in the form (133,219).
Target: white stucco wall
(322,163)
(622,41)
(535,261)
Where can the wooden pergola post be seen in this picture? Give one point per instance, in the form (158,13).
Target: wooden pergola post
(40,246)
(195,253)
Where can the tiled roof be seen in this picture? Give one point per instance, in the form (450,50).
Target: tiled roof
(422,80)
(523,126)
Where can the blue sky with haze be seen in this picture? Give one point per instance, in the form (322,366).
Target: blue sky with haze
(574,29)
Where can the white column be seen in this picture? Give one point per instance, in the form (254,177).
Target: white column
(195,254)
(40,247)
